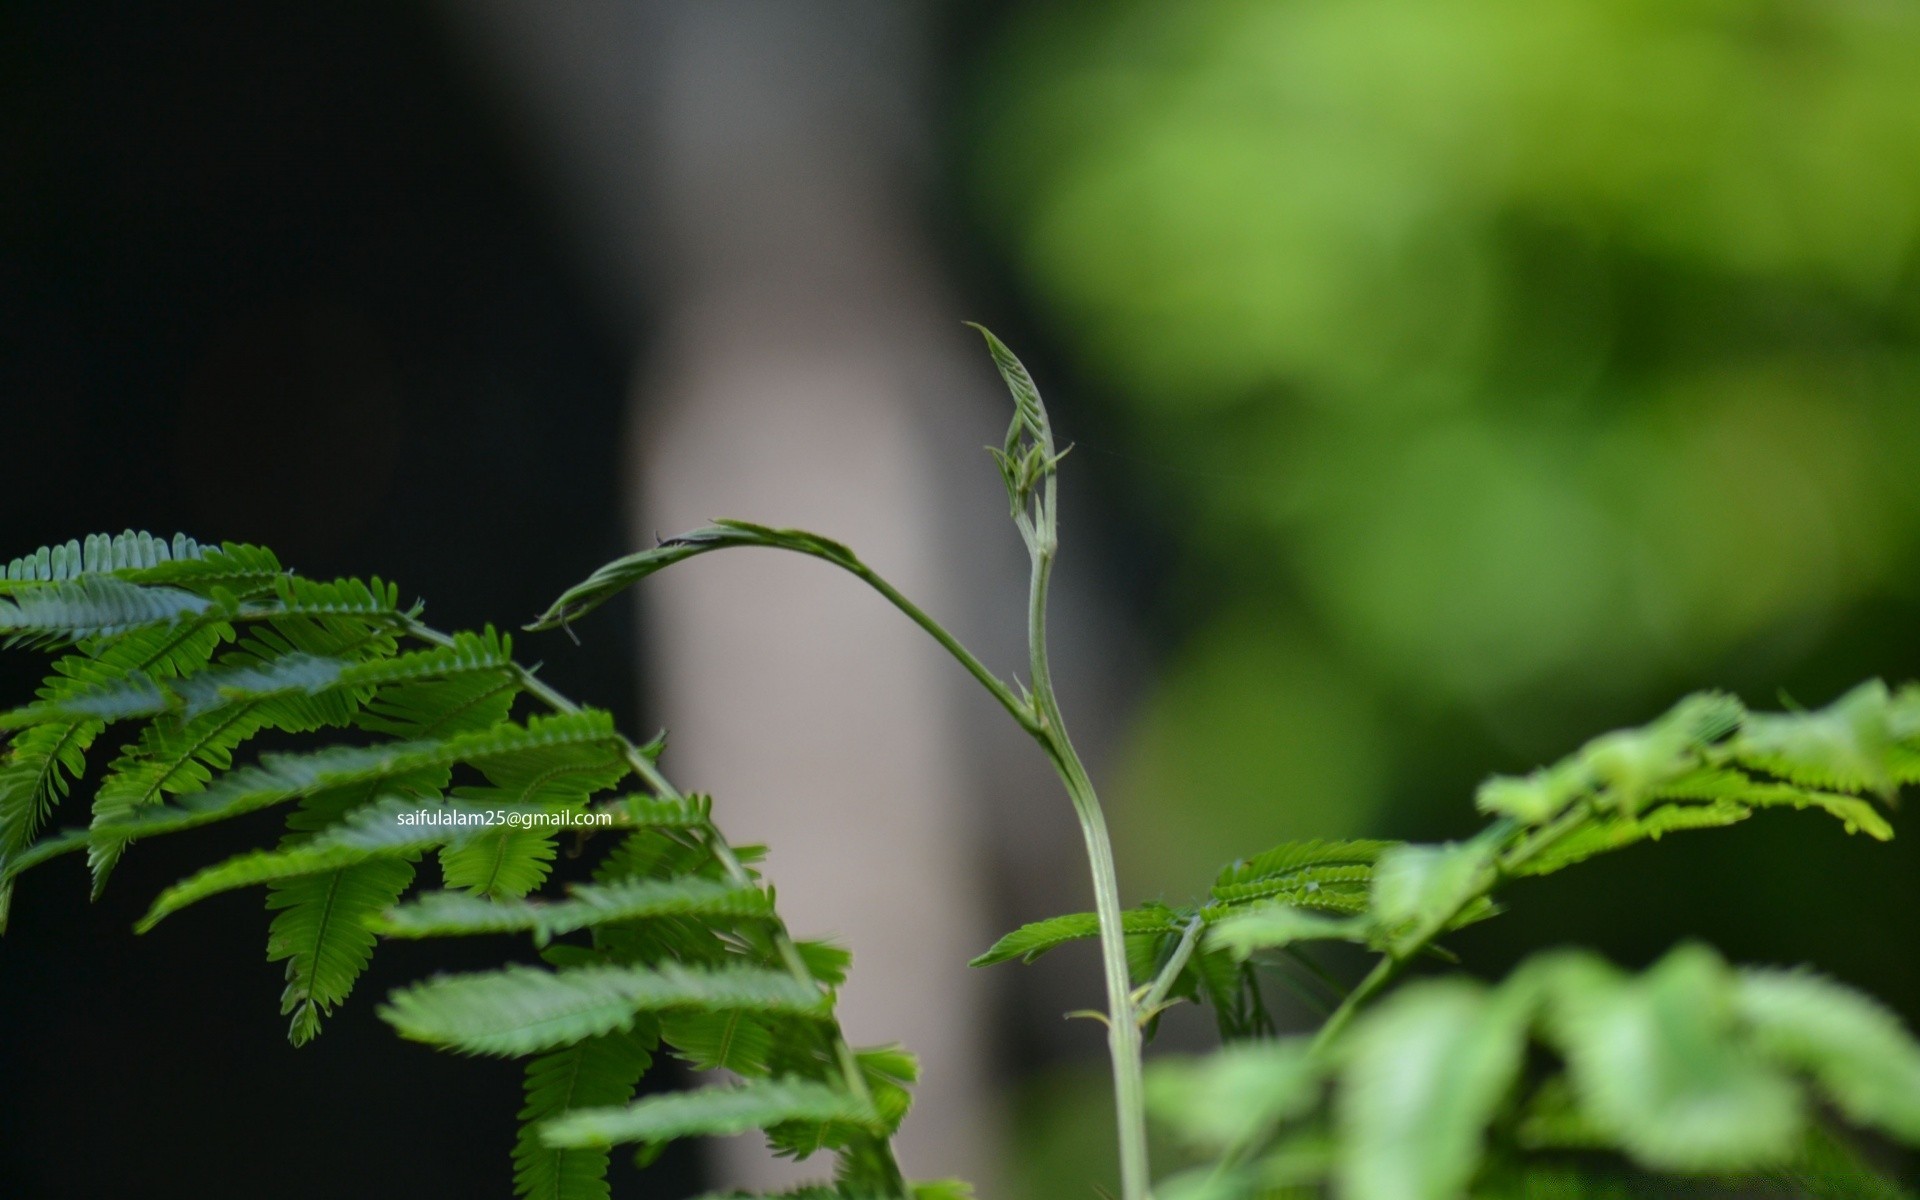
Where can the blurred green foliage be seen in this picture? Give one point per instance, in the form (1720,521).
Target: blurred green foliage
(1505,358)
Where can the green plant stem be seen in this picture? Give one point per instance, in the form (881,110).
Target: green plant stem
(1123,1032)
(852,1076)
(1176,963)
(965,657)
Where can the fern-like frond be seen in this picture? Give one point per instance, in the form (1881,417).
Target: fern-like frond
(90,606)
(1242,931)
(50,752)
(390,828)
(179,755)
(555,741)
(1290,858)
(320,932)
(1857,1050)
(1617,832)
(521,1010)
(443,914)
(1843,746)
(1031,941)
(98,554)
(1418,1087)
(710,1112)
(599,1072)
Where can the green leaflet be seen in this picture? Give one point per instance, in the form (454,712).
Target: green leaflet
(1617,832)
(386,829)
(713,1112)
(1270,926)
(99,553)
(511,862)
(735,1040)
(622,573)
(1845,745)
(442,914)
(1290,860)
(922,1189)
(1855,1048)
(1420,890)
(554,741)
(598,1072)
(521,1010)
(1419,1082)
(675,939)
(1236,1096)
(1031,941)
(1658,1065)
(90,606)
(320,932)
(50,752)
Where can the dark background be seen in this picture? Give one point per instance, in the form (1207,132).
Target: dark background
(266,274)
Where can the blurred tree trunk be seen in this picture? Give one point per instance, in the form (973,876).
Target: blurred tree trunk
(744,176)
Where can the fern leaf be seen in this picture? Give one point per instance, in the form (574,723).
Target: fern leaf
(1305,882)
(736,1040)
(47,757)
(1657,1065)
(549,741)
(90,606)
(443,914)
(712,1112)
(1419,1085)
(1290,857)
(1417,890)
(1855,1048)
(391,828)
(521,1010)
(98,554)
(1846,745)
(1031,941)
(649,812)
(1270,926)
(320,932)
(599,1072)
(1234,1097)
(1615,832)
(178,756)
(463,688)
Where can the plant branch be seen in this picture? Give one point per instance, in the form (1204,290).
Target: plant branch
(1156,995)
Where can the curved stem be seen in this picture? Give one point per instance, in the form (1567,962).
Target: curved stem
(1017,708)
(1123,1032)
(1176,963)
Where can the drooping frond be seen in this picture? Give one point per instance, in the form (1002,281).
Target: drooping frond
(592,1074)
(622,573)
(398,827)
(522,1010)
(713,1112)
(443,914)
(1691,1066)
(91,606)
(320,932)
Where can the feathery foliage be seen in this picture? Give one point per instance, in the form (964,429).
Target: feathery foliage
(439,752)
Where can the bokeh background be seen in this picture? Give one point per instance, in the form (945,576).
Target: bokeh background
(1448,380)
